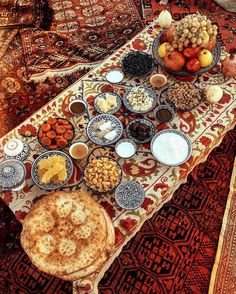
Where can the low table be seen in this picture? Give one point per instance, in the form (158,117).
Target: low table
(205,125)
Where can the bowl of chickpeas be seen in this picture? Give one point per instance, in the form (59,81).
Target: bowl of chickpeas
(56,133)
(102,174)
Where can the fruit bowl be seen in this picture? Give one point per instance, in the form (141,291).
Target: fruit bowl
(216,52)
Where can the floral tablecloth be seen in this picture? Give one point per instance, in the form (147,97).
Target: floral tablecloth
(206,125)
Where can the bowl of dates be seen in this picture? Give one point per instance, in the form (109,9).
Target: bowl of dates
(140,130)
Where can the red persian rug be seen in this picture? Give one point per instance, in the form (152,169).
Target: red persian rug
(174,251)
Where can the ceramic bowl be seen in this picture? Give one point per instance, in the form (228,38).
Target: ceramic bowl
(93,134)
(108,191)
(171,147)
(53,140)
(216,56)
(167,108)
(12,174)
(45,155)
(137,64)
(129,195)
(112,110)
(129,106)
(22,156)
(145,122)
(127,155)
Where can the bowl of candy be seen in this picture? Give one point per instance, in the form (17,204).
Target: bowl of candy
(188,47)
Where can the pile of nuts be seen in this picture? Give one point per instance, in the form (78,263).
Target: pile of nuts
(102,174)
(184,96)
(139,99)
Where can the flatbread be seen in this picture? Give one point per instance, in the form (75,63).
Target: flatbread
(101,259)
(64,232)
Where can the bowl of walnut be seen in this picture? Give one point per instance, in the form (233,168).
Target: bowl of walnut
(184,96)
(102,174)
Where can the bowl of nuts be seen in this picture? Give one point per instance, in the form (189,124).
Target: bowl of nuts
(140,99)
(184,96)
(102,174)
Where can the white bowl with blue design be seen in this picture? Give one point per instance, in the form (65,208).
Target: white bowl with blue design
(93,132)
(51,185)
(12,174)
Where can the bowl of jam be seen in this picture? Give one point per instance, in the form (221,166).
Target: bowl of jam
(164,114)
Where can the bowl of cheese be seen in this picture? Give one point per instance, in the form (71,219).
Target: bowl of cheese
(107,102)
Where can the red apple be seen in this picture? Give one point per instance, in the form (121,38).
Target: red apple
(174,60)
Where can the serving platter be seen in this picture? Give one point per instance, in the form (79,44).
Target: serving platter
(216,52)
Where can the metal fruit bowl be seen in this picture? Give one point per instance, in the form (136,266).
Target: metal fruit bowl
(216,52)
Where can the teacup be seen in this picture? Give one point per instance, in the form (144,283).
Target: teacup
(77,107)
(78,150)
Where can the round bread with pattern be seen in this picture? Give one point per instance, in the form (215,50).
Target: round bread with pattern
(101,259)
(64,232)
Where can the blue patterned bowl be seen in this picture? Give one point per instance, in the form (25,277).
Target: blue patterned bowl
(45,155)
(116,126)
(103,95)
(129,195)
(12,174)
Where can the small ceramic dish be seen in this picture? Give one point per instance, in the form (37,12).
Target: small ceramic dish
(131,99)
(145,125)
(129,195)
(216,52)
(164,114)
(125,148)
(114,109)
(12,174)
(171,147)
(22,155)
(138,64)
(109,190)
(114,76)
(51,185)
(61,133)
(94,131)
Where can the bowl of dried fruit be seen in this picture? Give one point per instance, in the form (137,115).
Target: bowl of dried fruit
(184,96)
(102,174)
(51,170)
(140,99)
(137,64)
(140,130)
(188,47)
(56,133)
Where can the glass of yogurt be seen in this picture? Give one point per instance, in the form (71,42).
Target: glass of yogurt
(125,148)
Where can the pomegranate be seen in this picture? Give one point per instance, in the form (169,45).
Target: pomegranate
(174,60)
(229,65)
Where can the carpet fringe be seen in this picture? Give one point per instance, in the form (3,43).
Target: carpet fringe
(49,73)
